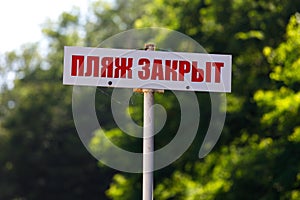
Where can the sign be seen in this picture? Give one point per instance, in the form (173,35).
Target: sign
(127,68)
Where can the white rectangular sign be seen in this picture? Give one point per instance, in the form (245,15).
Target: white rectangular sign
(127,68)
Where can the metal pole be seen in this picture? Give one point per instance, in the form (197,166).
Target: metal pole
(148,139)
(148,145)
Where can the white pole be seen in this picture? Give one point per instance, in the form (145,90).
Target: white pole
(148,145)
(148,139)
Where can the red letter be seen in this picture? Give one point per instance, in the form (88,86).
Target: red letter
(145,68)
(157,70)
(122,66)
(184,67)
(77,65)
(218,66)
(92,63)
(208,72)
(107,67)
(171,70)
(197,74)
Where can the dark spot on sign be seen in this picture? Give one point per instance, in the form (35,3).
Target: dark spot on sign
(187,87)
(109,83)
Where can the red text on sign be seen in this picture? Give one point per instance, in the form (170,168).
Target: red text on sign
(147,69)
(108,67)
(177,70)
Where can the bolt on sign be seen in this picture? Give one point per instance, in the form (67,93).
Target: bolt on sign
(127,68)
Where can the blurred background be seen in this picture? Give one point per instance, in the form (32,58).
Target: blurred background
(257,155)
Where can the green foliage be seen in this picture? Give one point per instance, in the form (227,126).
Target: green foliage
(257,158)
(231,172)
(41,154)
(282,104)
(285,58)
(123,187)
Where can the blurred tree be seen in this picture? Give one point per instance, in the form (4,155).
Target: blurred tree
(42,156)
(243,29)
(41,152)
(251,167)
(240,28)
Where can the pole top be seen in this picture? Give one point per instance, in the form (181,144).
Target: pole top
(150,47)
